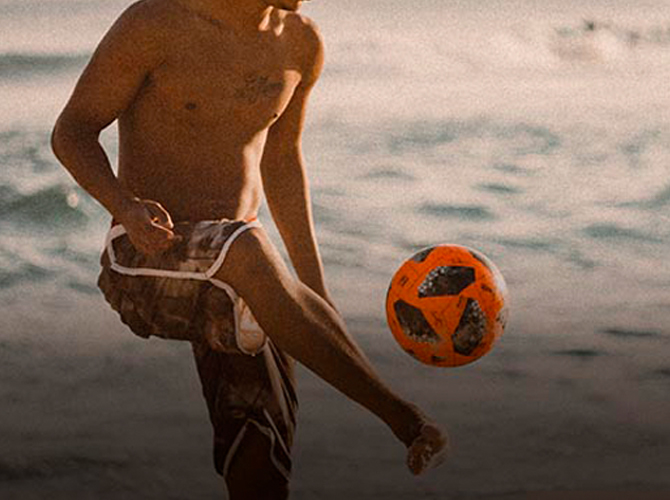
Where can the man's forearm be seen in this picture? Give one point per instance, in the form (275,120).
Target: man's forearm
(304,254)
(289,203)
(80,152)
(297,231)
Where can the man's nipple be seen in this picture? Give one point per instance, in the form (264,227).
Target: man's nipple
(190,106)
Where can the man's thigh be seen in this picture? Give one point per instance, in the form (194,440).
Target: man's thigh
(254,266)
(280,302)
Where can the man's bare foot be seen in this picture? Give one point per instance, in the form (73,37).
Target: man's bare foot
(428,450)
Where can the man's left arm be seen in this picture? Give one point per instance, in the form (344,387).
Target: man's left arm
(284,178)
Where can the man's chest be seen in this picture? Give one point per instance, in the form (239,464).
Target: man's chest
(207,83)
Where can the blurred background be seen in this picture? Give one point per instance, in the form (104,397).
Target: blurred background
(536,131)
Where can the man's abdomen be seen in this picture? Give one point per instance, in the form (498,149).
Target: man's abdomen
(193,178)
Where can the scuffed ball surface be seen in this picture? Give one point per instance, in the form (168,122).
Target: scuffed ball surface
(446,305)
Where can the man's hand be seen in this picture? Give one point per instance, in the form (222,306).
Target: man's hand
(149,226)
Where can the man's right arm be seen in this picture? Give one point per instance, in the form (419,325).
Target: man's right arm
(107,87)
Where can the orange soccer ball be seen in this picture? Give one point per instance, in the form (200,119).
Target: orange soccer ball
(446,305)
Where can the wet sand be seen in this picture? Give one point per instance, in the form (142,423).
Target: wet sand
(90,411)
(588,495)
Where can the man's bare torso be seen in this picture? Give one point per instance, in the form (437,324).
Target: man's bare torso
(194,133)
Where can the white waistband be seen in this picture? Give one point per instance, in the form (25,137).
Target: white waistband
(118,230)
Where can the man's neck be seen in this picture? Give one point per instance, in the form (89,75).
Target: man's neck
(242,16)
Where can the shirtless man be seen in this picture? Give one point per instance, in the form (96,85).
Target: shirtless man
(210,98)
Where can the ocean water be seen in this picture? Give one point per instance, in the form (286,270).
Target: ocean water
(536,131)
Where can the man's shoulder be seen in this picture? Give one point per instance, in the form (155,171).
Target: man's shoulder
(143,29)
(306,39)
(152,9)
(303,27)
(148,15)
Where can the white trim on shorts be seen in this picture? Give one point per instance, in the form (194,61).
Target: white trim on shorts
(272,436)
(240,308)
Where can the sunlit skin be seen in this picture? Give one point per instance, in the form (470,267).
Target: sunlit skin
(210,98)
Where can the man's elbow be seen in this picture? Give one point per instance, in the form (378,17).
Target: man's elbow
(67,133)
(58,139)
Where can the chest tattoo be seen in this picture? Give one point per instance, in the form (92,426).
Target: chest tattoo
(256,87)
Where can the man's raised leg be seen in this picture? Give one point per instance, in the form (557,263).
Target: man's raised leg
(306,327)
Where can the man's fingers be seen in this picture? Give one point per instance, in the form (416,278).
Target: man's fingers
(160,231)
(158,213)
(153,239)
(150,228)
(166,234)
(161,237)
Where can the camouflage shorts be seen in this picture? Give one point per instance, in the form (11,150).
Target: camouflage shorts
(245,379)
